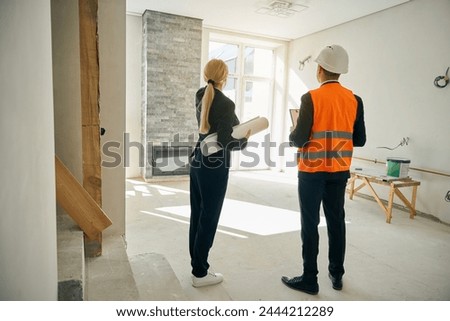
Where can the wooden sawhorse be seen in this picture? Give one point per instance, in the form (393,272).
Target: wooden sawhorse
(394,189)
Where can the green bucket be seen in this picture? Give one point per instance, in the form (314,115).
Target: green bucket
(397,167)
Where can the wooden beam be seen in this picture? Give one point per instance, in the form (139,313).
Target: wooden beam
(90,110)
(77,202)
(89,59)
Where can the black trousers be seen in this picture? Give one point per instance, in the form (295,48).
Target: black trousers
(208,185)
(331,194)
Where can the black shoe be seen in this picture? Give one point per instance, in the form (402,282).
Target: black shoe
(336,281)
(300,284)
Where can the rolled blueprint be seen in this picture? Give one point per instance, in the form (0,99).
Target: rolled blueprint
(210,146)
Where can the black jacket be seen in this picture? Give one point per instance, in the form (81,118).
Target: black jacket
(222,118)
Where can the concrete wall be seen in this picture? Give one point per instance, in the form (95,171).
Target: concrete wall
(66,84)
(394,57)
(133,92)
(111,28)
(28,261)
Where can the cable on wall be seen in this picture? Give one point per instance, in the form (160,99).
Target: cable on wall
(447,197)
(403,142)
(438,80)
(303,62)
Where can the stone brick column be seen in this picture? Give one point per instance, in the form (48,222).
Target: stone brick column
(171,76)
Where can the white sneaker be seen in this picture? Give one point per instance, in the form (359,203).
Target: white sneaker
(208,279)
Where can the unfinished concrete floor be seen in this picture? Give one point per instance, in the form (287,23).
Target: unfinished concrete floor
(258,241)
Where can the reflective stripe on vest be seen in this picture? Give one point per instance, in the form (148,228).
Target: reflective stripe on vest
(330,147)
(332,134)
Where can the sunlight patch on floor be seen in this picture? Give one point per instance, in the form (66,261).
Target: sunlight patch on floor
(249,217)
(187,222)
(236,215)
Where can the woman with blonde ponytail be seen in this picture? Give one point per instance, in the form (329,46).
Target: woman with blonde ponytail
(209,174)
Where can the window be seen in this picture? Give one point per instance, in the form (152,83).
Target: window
(258,62)
(249,85)
(225,52)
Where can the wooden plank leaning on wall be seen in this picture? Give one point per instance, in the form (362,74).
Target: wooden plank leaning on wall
(77,202)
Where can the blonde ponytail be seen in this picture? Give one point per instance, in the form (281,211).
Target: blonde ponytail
(207,100)
(215,74)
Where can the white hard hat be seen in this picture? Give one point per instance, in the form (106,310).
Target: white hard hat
(333,58)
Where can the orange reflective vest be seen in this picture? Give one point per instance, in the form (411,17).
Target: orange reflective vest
(330,145)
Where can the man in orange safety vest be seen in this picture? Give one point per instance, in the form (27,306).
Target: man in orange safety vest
(330,124)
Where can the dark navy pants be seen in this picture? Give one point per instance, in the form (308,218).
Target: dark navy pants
(208,185)
(331,194)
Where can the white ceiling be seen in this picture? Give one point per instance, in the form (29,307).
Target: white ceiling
(240,15)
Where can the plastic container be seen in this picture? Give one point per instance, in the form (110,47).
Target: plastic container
(397,167)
